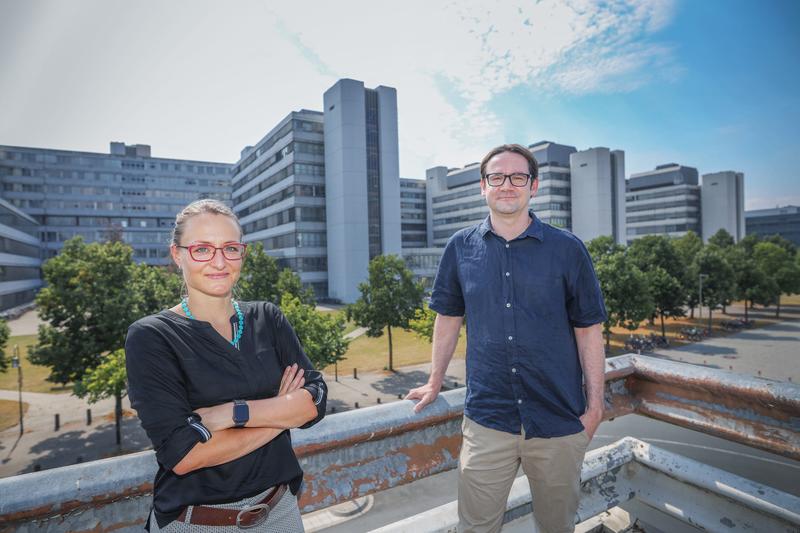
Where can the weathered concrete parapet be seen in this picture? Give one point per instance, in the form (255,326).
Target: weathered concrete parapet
(705,497)
(358,452)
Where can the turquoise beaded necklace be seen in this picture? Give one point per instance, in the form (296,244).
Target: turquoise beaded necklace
(239,316)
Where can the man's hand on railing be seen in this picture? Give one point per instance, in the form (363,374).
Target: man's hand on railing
(425,394)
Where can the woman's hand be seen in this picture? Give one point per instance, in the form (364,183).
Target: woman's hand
(291,380)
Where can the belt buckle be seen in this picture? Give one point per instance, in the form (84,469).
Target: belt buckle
(242,518)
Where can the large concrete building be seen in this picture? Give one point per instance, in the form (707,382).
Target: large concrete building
(598,194)
(124,194)
(362,180)
(664,201)
(413,213)
(553,201)
(783,221)
(722,201)
(20,258)
(279,196)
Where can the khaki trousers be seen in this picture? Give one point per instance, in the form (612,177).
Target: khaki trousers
(487,467)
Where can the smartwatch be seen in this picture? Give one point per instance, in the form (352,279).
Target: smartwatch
(241,413)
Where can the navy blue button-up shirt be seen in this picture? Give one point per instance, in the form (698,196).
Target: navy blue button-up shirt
(522,298)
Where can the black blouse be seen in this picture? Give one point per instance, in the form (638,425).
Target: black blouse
(176,365)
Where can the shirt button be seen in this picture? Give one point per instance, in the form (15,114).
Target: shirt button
(507,245)
(519,401)
(511,338)
(508,305)
(513,370)
(508,274)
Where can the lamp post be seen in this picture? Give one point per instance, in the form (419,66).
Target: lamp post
(15,363)
(700,311)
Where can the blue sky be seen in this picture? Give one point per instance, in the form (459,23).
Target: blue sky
(710,84)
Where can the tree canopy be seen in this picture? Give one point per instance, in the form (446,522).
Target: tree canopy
(389,298)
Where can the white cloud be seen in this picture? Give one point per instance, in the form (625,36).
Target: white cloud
(479,50)
(203,79)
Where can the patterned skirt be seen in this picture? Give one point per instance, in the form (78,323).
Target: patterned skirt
(284,518)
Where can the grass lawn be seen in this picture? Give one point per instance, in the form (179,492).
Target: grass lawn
(9,413)
(33,376)
(372,353)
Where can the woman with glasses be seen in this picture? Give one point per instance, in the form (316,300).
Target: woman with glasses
(217,384)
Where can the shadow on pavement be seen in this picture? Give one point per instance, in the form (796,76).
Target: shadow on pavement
(401,382)
(750,335)
(337,406)
(73,447)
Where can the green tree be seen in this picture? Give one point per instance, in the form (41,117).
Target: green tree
(603,246)
(719,285)
(321,334)
(626,293)
(783,242)
(781,266)
(657,258)
(87,304)
(108,379)
(687,247)
(262,279)
(289,283)
(423,322)
(259,276)
(4,334)
(748,243)
(156,288)
(722,239)
(390,298)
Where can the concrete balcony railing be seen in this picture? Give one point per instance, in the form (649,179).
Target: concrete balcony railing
(355,453)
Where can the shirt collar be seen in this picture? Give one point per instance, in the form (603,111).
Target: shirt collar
(535,229)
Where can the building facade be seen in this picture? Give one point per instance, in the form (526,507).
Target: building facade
(664,201)
(413,213)
(598,194)
(20,258)
(722,204)
(362,179)
(783,221)
(278,193)
(125,194)
(553,201)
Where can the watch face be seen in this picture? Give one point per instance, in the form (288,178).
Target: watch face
(241,413)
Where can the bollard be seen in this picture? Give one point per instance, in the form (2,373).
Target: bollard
(333,408)
(355,373)
(399,396)
(356,405)
(379,400)
(37,467)
(58,421)
(79,460)
(88,417)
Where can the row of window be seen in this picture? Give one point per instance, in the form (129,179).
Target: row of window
(314,191)
(304,264)
(418,195)
(13,220)
(663,228)
(473,217)
(183,195)
(81,177)
(471,191)
(16,273)
(297,124)
(459,207)
(691,191)
(663,205)
(413,227)
(300,239)
(101,160)
(297,169)
(106,234)
(664,216)
(11,246)
(7,301)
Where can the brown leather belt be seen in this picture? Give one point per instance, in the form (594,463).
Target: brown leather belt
(246,518)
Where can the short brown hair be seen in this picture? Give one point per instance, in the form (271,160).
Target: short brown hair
(199,207)
(533,166)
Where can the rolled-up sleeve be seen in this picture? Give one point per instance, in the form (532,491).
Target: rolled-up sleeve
(447,297)
(585,304)
(157,392)
(291,351)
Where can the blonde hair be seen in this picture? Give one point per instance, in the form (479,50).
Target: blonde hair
(200,207)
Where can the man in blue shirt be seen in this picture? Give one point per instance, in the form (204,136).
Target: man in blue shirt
(535,359)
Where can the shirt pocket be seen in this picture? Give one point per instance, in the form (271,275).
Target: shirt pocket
(543,296)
